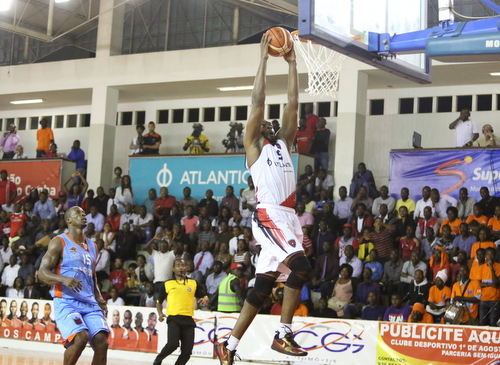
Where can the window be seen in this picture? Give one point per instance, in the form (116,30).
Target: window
(302,108)
(324,109)
(127,118)
(225,113)
(274,111)
(9,121)
(33,123)
(377,107)
(59,121)
(21,124)
(162,116)
(193,115)
(444,104)
(406,105)
(140,118)
(464,101)
(85,118)
(242,112)
(209,115)
(425,105)
(498,101)
(1,124)
(178,116)
(484,102)
(336,108)
(72,120)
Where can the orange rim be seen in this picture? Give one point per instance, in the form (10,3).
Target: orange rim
(296,32)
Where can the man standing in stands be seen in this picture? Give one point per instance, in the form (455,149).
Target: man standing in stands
(151,141)
(275,225)
(77,155)
(45,138)
(466,131)
(9,142)
(321,138)
(8,190)
(197,143)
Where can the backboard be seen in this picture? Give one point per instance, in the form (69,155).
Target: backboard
(343,26)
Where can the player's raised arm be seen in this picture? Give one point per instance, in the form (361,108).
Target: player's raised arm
(253,134)
(290,113)
(50,261)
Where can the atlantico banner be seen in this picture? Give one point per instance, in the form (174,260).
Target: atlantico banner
(200,173)
(447,170)
(328,341)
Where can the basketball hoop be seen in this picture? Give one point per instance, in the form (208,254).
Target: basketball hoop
(323,66)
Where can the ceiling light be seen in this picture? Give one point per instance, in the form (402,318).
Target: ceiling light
(29,101)
(495,73)
(60,1)
(235,88)
(4,5)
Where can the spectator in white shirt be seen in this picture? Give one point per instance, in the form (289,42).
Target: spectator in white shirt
(426,201)
(145,222)
(384,198)
(466,131)
(114,298)
(103,261)
(95,217)
(324,181)
(342,207)
(203,260)
(351,259)
(440,204)
(10,272)
(129,216)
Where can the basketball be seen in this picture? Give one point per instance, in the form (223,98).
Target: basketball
(280,41)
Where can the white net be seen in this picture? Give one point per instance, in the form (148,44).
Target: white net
(323,66)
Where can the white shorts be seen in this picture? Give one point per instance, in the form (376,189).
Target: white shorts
(277,229)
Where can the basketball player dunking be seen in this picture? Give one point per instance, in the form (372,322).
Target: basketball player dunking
(69,266)
(275,225)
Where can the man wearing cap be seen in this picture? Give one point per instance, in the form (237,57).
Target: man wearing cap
(45,138)
(439,295)
(419,314)
(8,190)
(9,142)
(346,240)
(230,295)
(197,143)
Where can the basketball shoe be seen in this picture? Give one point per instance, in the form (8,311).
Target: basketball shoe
(225,356)
(287,346)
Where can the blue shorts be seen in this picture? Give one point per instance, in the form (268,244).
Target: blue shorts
(73,317)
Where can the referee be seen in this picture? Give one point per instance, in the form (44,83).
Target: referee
(181,292)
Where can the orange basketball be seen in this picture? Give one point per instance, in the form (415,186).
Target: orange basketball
(280,41)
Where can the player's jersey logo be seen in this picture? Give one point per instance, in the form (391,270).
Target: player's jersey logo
(292,243)
(189,290)
(73,249)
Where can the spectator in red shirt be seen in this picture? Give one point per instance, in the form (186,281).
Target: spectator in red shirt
(8,190)
(113,218)
(304,137)
(311,119)
(190,221)
(230,200)
(164,203)
(118,277)
(409,243)
(17,219)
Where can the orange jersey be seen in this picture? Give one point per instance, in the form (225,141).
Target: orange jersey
(455,226)
(476,246)
(476,270)
(489,292)
(494,223)
(473,289)
(481,220)
(439,297)
(426,319)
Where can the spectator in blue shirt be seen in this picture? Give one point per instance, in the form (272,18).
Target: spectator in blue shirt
(77,155)
(373,311)
(44,209)
(375,266)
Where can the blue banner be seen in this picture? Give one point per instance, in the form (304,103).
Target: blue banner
(446,170)
(200,173)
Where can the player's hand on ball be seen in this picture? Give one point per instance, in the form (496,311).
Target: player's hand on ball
(290,56)
(73,284)
(264,46)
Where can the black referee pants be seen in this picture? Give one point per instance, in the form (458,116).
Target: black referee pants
(180,328)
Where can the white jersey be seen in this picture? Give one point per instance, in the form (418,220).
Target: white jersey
(274,176)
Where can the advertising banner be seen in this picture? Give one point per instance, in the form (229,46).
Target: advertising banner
(446,170)
(328,341)
(200,173)
(29,174)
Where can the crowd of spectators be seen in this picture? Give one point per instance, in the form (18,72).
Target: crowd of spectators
(374,257)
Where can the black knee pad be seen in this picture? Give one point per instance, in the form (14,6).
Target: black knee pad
(301,270)
(261,291)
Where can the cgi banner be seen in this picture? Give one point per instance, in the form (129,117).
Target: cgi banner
(446,170)
(200,173)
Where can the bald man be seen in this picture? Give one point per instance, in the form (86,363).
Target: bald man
(488,139)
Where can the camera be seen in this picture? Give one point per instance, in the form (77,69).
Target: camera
(230,141)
